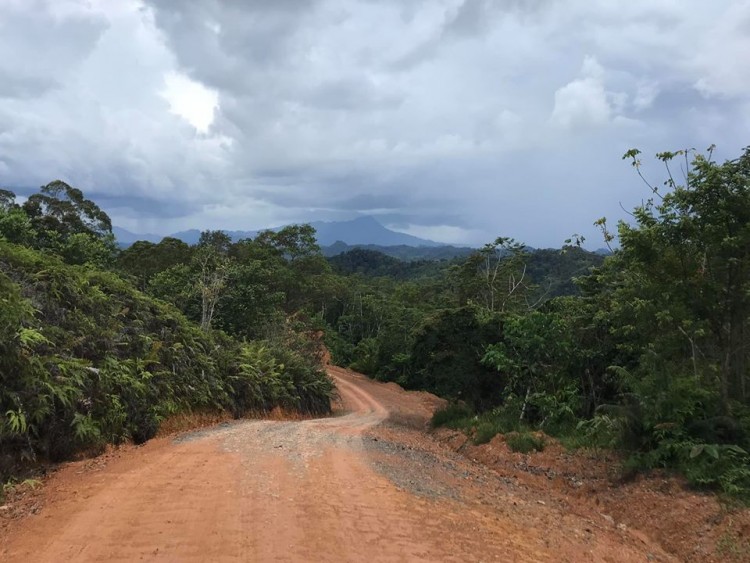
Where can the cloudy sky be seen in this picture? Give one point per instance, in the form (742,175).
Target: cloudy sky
(456,120)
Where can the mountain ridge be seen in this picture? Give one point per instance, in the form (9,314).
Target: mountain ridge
(364,230)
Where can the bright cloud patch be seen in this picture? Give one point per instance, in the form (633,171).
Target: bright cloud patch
(190,100)
(584,101)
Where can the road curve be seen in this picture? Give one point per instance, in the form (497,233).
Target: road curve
(365,485)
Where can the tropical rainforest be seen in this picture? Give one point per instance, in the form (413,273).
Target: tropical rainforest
(644,350)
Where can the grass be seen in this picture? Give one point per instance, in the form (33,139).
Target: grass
(519,436)
(457,416)
(525,442)
(488,428)
(487,425)
(13,485)
(733,547)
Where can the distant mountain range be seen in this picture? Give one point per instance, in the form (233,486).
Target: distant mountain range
(336,237)
(360,231)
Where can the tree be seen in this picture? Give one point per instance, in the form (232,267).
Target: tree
(64,221)
(250,306)
(7,200)
(689,254)
(63,209)
(144,259)
(15,225)
(302,273)
(495,277)
(212,261)
(533,357)
(447,353)
(292,242)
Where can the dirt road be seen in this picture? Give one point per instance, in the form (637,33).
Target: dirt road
(365,485)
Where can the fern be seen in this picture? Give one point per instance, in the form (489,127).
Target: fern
(16,421)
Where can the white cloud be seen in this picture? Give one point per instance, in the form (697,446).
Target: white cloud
(585,102)
(582,102)
(190,100)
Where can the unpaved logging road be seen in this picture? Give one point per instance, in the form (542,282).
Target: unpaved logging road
(365,485)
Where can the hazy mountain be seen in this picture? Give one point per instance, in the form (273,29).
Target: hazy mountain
(359,231)
(126,238)
(364,230)
(191,236)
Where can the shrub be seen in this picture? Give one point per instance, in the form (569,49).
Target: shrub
(455,415)
(525,442)
(487,430)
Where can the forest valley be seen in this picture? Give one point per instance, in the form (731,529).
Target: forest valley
(644,351)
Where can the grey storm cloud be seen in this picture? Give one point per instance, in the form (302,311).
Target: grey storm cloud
(458,120)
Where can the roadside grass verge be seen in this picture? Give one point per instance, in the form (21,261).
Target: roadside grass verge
(525,442)
(485,426)
(520,437)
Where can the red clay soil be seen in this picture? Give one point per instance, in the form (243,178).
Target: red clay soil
(692,525)
(369,484)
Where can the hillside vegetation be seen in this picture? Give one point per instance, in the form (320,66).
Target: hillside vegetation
(87,359)
(651,358)
(643,351)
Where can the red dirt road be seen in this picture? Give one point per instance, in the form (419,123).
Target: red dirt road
(367,485)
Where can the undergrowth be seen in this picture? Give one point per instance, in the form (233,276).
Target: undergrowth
(485,426)
(724,468)
(525,442)
(86,360)
(456,415)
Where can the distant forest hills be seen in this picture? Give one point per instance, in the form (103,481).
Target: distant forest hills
(552,271)
(338,237)
(360,231)
(402,252)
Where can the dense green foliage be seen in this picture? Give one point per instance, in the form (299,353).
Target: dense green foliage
(403,252)
(373,263)
(652,355)
(524,442)
(87,359)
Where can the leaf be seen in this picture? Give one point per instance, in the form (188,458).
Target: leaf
(17,421)
(29,337)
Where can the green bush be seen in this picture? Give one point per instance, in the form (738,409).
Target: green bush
(455,415)
(500,420)
(524,442)
(485,431)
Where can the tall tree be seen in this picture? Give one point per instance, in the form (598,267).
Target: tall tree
(212,261)
(688,256)
(15,225)
(495,277)
(144,259)
(63,209)
(66,222)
